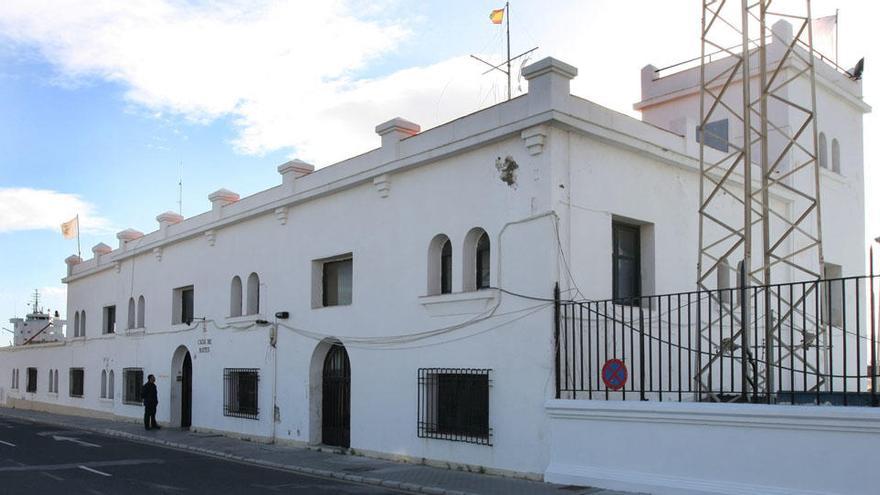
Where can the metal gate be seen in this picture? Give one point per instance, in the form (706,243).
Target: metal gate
(186,393)
(336,398)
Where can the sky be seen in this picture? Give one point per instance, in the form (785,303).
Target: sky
(105,106)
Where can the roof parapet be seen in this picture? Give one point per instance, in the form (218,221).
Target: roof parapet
(549,83)
(220,198)
(71,261)
(127,236)
(292,170)
(167,219)
(394,131)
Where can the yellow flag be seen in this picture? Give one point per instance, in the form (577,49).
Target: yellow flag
(497,16)
(70,228)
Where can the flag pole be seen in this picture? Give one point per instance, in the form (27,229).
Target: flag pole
(78,249)
(507,15)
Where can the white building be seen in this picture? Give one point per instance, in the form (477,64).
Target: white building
(403,272)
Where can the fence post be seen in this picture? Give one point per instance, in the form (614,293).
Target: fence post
(873,334)
(556,304)
(641,353)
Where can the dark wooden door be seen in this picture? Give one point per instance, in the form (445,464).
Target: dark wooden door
(186,393)
(336,398)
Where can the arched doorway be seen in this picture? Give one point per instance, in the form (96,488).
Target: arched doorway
(186,393)
(336,398)
(180,408)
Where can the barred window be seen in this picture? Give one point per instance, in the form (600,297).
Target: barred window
(132,383)
(240,392)
(77,382)
(454,404)
(31,380)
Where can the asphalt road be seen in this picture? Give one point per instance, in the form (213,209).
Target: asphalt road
(37,459)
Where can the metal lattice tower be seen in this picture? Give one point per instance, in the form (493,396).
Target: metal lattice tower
(765,168)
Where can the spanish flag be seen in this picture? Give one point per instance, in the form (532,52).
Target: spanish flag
(70,229)
(497,16)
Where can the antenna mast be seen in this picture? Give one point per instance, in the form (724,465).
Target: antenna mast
(510,59)
(180,188)
(771,152)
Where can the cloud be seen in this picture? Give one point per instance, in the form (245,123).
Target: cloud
(35,209)
(250,60)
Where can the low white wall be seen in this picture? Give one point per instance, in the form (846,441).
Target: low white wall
(679,448)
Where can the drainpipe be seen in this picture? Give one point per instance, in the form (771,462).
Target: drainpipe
(273,341)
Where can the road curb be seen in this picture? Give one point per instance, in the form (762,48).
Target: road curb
(338,475)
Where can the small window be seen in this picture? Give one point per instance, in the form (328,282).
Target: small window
(240,392)
(51,380)
(336,279)
(141,311)
(454,404)
(31,380)
(716,135)
(132,310)
(483,262)
(832,295)
(111,386)
(183,305)
(15,379)
(439,265)
(835,155)
(253,294)
(823,151)
(77,382)
(476,260)
(76,324)
(109,319)
(235,296)
(626,264)
(103,384)
(82,324)
(132,382)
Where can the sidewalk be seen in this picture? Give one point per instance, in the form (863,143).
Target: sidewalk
(410,477)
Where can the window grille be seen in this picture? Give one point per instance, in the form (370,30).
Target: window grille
(77,382)
(132,383)
(454,405)
(31,379)
(240,392)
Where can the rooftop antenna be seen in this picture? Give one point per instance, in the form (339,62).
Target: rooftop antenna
(36,300)
(497,16)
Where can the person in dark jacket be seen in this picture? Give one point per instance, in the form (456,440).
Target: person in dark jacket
(151,400)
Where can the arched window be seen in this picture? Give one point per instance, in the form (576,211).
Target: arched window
(51,379)
(483,262)
(82,324)
(111,386)
(439,265)
(141,310)
(823,151)
(103,384)
(235,297)
(131,312)
(76,324)
(835,155)
(476,260)
(253,294)
(56,381)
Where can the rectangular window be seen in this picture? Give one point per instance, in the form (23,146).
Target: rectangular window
(132,383)
(77,382)
(832,295)
(183,305)
(240,392)
(336,287)
(454,404)
(626,264)
(31,379)
(716,135)
(109,319)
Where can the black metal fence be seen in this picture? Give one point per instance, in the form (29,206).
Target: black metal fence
(796,343)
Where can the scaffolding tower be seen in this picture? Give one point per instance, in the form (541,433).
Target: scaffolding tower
(758,75)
